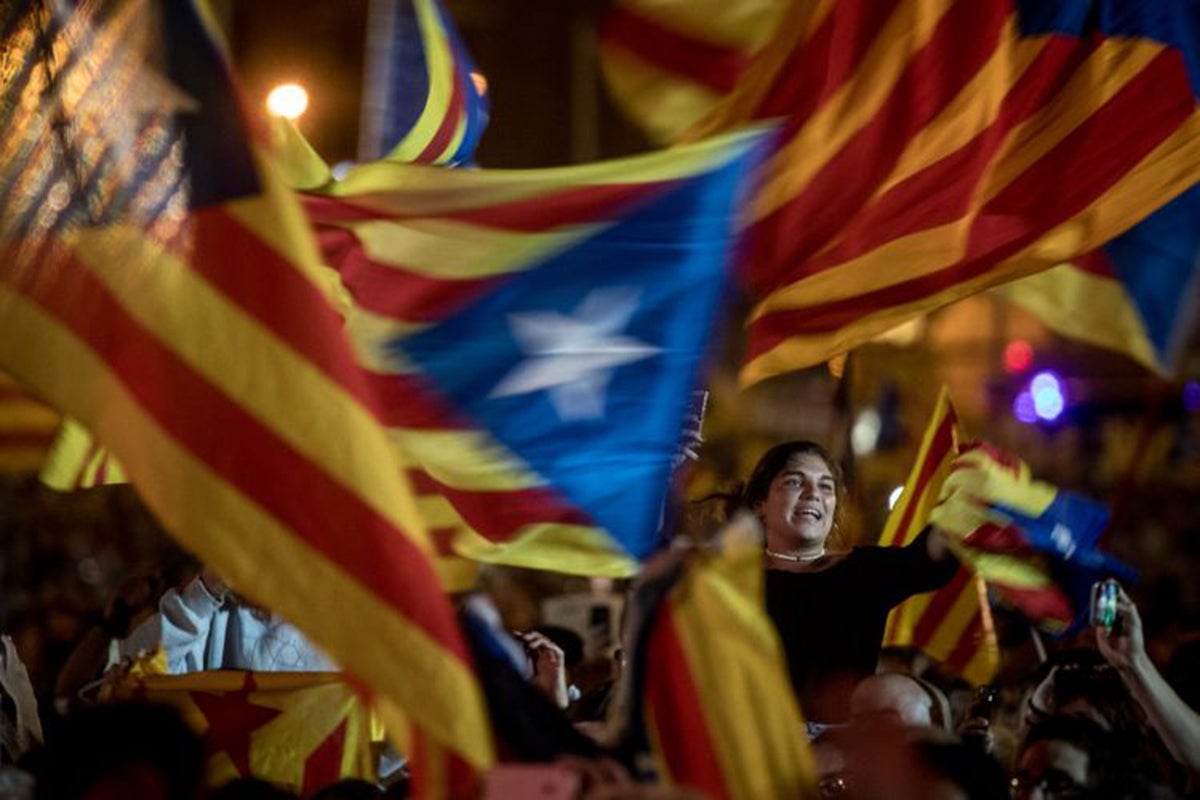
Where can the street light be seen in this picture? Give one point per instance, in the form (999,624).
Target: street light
(287,100)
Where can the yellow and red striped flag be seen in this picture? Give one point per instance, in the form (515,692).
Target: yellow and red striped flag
(299,730)
(954,624)
(160,285)
(719,711)
(935,148)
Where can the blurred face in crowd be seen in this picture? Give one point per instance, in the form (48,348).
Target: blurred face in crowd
(799,508)
(1050,769)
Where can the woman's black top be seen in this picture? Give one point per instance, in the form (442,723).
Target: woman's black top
(831,621)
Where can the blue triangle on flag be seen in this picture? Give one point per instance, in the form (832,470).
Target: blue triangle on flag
(582,366)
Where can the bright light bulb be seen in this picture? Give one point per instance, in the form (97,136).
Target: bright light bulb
(287,100)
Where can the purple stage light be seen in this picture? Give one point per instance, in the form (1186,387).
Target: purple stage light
(1049,398)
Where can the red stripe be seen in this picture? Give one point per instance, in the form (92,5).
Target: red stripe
(264,468)
(323,765)
(1048,606)
(939,606)
(1096,263)
(944,191)
(939,449)
(934,76)
(677,702)
(684,57)
(436,148)
(551,209)
(14,439)
(1001,539)
(270,288)
(969,643)
(410,401)
(393,291)
(93,448)
(499,516)
(1060,185)
(819,67)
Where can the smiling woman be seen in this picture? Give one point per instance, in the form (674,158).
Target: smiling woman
(830,608)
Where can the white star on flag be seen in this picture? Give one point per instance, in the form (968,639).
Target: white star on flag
(572,358)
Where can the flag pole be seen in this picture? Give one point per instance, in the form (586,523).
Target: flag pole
(1038,644)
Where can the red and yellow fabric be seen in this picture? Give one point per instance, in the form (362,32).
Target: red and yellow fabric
(935,148)
(670,63)
(411,245)
(954,624)
(720,712)
(26,429)
(213,364)
(300,730)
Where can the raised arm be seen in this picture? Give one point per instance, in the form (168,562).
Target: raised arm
(1125,648)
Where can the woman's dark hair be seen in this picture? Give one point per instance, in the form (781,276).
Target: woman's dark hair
(775,461)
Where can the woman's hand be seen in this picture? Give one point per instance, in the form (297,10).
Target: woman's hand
(1124,646)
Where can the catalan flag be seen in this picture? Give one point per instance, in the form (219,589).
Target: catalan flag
(424,100)
(535,336)
(935,148)
(160,285)
(1136,296)
(719,710)
(299,730)
(1034,544)
(954,624)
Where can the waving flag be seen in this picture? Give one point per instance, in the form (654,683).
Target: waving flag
(935,148)
(670,63)
(301,731)
(535,337)
(1034,544)
(425,103)
(719,711)
(159,285)
(1139,296)
(26,429)
(954,624)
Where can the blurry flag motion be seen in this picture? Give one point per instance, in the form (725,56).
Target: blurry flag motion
(26,429)
(160,286)
(718,707)
(301,731)
(535,335)
(78,461)
(954,624)
(1138,296)
(1034,544)
(670,63)
(935,148)
(425,103)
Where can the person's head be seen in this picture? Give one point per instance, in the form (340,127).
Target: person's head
(1062,757)
(121,750)
(794,490)
(1080,683)
(901,699)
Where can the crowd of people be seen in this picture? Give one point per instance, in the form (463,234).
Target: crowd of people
(1096,720)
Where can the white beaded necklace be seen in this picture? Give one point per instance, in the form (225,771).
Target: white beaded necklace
(796,558)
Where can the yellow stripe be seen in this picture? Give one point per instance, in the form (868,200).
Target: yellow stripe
(161,293)
(902,620)
(27,416)
(1084,306)
(461,251)
(663,104)
(440,69)
(852,107)
(370,336)
(953,623)
(388,187)
(745,25)
(892,535)
(352,624)
(463,459)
